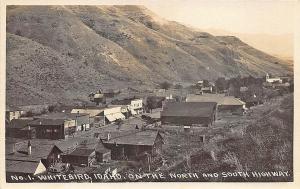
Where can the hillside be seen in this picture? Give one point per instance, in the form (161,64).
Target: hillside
(280,45)
(61,53)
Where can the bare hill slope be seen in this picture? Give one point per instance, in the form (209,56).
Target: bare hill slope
(59,53)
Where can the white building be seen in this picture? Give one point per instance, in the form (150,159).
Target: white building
(272,80)
(136,106)
(111,114)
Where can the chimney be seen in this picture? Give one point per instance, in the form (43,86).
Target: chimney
(29,148)
(14,148)
(108,136)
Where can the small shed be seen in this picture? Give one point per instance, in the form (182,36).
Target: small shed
(133,145)
(80,156)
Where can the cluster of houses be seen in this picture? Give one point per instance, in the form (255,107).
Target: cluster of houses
(61,134)
(277,82)
(57,141)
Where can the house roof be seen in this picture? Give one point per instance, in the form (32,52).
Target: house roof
(82,152)
(122,101)
(92,111)
(39,149)
(10,140)
(62,115)
(10,144)
(98,95)
(80,142)
(69,144)
(142,138)
(46,121)
(190,109)
(16,166)
(12,108)
(220,99)
(19,123)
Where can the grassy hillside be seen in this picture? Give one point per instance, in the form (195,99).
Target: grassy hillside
(61,53)
(260,141)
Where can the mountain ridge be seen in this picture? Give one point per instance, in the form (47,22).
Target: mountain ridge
(83,48)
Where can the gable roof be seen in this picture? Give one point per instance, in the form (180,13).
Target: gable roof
(220,99)
(48,122)
(189,109)
(141,138)
(29,167)
(82,152)
(39,150)
(19,123)
(92,111)
(62,115)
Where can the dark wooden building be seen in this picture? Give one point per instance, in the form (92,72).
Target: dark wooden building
(80,156)
(87,151)
(19,128)
(134,146)
(189,113)
(35,151)
(53,128)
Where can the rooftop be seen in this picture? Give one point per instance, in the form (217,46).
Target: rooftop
(92,111)
(28,167)
(190,109)
(39,150)
(82,152)
(19,123)
(62,115)
(47,121)
(221,99)
(143,138)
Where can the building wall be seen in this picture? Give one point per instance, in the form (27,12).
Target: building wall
(82,123)
(69,127)
(230,108)
(271,80)
(137,105)
(53,157)
(78,160)
(10,115)
(184,120)
(103,157)
(19,133)
(129,152)
(40,169)
(50,132)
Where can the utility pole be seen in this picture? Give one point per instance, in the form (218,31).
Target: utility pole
(104,119)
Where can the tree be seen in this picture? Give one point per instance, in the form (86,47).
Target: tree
(178,86)
(221,84)
(165,85)
(205,83)
(233,90)
(154,102)
(51,108)
(119,123)
(151,103)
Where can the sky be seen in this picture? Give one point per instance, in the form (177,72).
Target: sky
(240,16)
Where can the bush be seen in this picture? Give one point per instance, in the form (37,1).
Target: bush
(165,85)
(178,86)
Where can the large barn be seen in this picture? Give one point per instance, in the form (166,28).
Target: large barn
(224,103)
(189,113)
